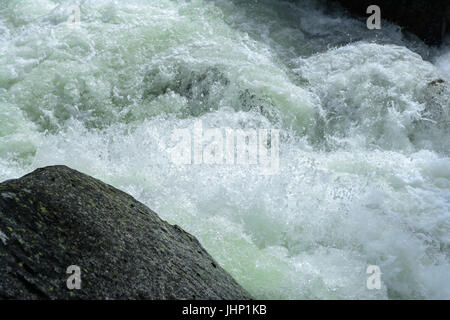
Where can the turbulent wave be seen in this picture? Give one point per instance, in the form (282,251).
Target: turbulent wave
(364,173)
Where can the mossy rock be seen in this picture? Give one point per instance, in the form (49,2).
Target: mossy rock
(56,217)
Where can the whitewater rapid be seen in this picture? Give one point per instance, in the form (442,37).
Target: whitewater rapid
(364,176)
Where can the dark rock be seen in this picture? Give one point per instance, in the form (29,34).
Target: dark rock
(428,19)
(56,217)
(436,82)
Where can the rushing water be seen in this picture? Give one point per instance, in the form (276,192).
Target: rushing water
(364,176)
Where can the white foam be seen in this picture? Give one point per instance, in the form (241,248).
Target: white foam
(364,161)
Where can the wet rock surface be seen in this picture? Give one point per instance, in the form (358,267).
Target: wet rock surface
(57,217)
(429,20)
